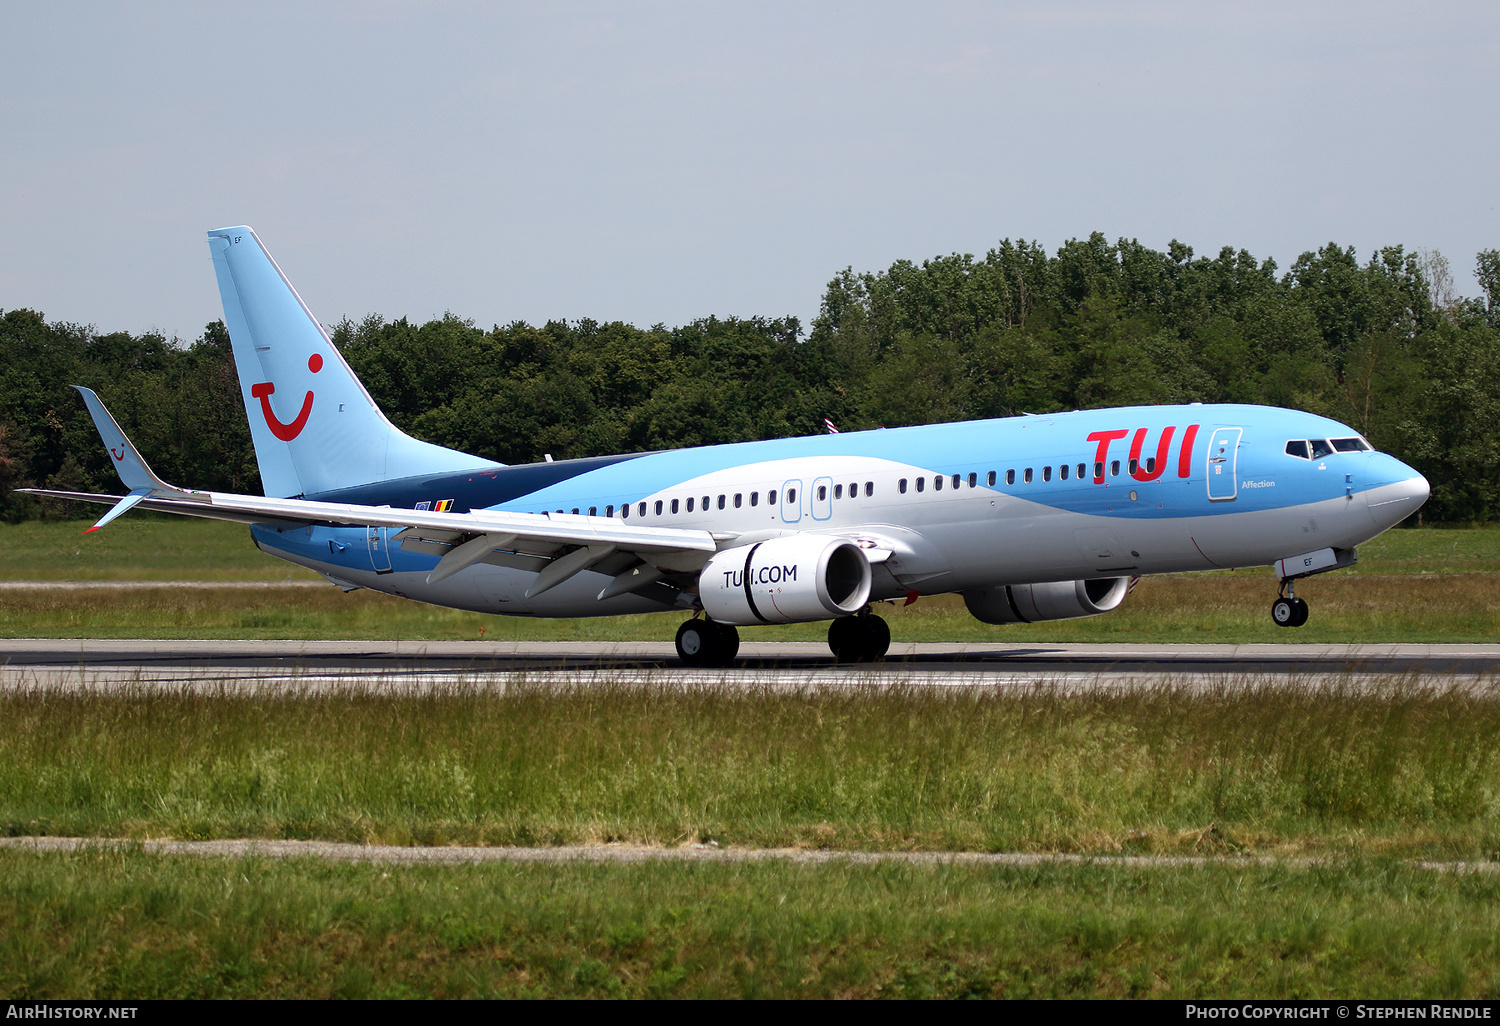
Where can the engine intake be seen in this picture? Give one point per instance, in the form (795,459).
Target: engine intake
(1056,600)
(786,580)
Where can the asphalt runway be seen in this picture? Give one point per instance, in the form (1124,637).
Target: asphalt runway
(73,663)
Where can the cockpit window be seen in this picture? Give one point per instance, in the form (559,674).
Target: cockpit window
(1317,448)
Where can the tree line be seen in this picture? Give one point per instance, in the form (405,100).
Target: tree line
(1386,346)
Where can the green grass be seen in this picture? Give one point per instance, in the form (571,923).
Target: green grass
(1413,770)
(1428,586)
(138,548)
(112,924)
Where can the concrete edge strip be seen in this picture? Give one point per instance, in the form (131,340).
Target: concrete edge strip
(624,854)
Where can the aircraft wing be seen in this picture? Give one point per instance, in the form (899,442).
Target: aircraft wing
(570,543)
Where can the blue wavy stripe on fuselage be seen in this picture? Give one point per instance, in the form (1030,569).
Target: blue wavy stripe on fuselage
(1266,477)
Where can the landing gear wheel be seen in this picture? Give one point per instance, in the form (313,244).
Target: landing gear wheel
(859,639)
(706,643)
(876,636)
(727,644)
(695,642)
(843,639)
(1289,612)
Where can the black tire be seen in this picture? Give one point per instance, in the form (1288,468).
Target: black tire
(1284,612)
(845,639)
(726,644)
(697,642)
(875,638)
(1299,615)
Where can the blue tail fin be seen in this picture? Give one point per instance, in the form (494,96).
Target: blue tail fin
(314,426)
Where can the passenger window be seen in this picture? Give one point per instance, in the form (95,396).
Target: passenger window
(737,497)
(771,497)
(1299,449)
(1062,472)
(869,488)
(1098,471)
(1114,468)
(690,504)
(609,510)
(1010,477)
(575,509)
(1082,471)
(755,498)
(593,511)
(822,493)
(853,489)
(937,483)
(1134,466)
(791,496)
(838,491)
(990,479)
(658,507)
(921,483)
(973,480)
(901,486)
(642,509)
(625,511)
(1027,476)
(1046,473)
(956,479)
(1150,464)
(705,504)
(721,502)
(674,505)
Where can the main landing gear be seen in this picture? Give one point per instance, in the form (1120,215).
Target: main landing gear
(859,639)
(707,643)
(1288,610)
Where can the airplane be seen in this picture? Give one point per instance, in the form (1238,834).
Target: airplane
(1029,518)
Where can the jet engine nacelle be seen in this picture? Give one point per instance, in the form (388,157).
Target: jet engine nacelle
(1058,600)
(786,580)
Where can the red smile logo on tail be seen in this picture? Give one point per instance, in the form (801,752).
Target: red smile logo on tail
(264,391)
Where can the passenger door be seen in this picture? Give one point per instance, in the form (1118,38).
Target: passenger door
(1223,460)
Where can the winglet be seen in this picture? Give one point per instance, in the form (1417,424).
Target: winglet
(134,473)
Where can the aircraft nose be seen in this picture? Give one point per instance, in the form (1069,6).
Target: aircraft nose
(1400,493)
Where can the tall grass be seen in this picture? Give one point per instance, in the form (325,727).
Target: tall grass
(122,924)
(1412,769)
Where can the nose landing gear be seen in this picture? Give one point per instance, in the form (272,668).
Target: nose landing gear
(1288,610)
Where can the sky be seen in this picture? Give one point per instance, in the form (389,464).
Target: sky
(661,162)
